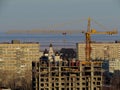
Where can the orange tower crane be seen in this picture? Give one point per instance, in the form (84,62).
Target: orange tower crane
(88,38)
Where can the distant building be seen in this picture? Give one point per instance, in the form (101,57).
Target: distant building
(100,50)
(57,57)
(68,53)
(114,65)
(51,53)
(45,53)
(107,51)
(16,58)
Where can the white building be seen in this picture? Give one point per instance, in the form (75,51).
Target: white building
(51,53)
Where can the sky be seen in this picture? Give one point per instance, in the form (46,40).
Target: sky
(58,14)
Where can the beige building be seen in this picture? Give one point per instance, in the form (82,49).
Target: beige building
(72,75)
(114,65)
(100,50)
(17,56)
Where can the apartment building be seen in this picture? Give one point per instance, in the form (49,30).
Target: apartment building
(114,65)
(18,56)
(100,50)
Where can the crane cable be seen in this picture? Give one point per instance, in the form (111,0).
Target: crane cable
(65,23)
(100,25)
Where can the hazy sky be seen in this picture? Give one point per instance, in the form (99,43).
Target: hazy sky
(40,14)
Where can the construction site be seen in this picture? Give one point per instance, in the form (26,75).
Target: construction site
(57,74)
(59,45)
(67,75)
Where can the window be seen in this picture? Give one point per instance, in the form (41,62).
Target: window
(42,85)
(83,88)
(83,83)
(67,88)
(67,84)
(94,78)
(67,78)
(42,79)
(78,84)
(62,78)
(56,79)
(62,83)
(98,83)
(83,78)
(57,84)
(57,88)
(78,79)
(86,88)
(71,84)
(94,88)
(99,78)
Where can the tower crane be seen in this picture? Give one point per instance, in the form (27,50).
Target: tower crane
(87,34)
(88,38)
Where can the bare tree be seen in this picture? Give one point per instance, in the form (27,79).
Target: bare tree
(115,81)
(16,81)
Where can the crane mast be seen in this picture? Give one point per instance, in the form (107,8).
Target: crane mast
(88,40)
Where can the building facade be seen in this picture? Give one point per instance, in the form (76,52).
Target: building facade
(18,56)
(100,50)
(114,65)
(67,75)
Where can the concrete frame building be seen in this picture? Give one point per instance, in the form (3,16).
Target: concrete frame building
(67,75)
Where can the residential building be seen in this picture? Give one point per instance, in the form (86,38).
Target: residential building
(17,55)
(100,50)
(114,65)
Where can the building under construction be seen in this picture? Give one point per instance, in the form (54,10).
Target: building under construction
(67,75)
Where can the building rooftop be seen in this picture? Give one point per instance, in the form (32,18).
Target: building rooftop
(18,42)
(96,42)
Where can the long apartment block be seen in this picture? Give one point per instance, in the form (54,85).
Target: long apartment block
(67,75)
(100,50)
(16,55)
